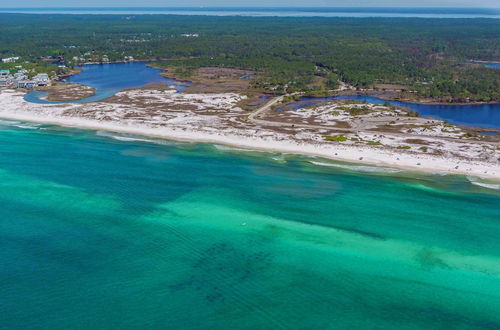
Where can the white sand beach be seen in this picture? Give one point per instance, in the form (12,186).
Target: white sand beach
(227,126)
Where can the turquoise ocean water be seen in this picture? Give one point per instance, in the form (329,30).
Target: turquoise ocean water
(107,231)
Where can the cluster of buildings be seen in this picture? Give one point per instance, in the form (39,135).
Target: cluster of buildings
(21,80)
(91,59)
(10,59)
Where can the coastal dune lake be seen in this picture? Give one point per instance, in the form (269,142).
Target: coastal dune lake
(477,115)
(107,231)
(109,79)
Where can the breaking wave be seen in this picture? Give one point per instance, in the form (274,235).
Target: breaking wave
(130,139)
(134,138)
(358,168)
(475,181)
(226,148)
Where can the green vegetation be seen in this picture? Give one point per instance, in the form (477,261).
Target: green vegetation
(336,138)
(469,135)
(360,111)
(374,143)
(428,56)
(403,147)
(291,98)
(33,67)
(444,130)
(410,113)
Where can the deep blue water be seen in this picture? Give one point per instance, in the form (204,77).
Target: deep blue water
(109,79)
(276,11)
(493,65)
(480,115)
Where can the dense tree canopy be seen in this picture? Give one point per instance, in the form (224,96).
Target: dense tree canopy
(427,55)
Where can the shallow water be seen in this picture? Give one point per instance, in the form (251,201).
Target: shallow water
(102,230)
(479,115)
(109,79)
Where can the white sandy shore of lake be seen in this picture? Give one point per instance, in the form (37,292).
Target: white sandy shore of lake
(346,153)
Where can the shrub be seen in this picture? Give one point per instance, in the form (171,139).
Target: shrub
(359,111)
(336,138)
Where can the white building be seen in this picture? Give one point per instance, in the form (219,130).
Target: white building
(10,59)
(41,79)
(25,84)
(20,76)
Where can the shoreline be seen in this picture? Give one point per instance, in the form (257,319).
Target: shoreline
(374,93)
(429,101)
(388,97)
(483,61)
(369,156)
(200,121)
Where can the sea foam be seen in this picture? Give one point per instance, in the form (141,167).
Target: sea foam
(358,168)
(475,181)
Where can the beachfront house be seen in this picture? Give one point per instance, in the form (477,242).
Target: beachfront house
(6,80)
(25,84)
(20,76)
(41,79)
(4,73)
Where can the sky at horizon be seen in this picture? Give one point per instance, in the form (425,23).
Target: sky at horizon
(251,3)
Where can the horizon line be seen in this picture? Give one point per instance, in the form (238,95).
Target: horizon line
(253,7)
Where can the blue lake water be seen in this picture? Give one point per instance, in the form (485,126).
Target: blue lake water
(108,231)
(493,65)
(480,115)
(108,79)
